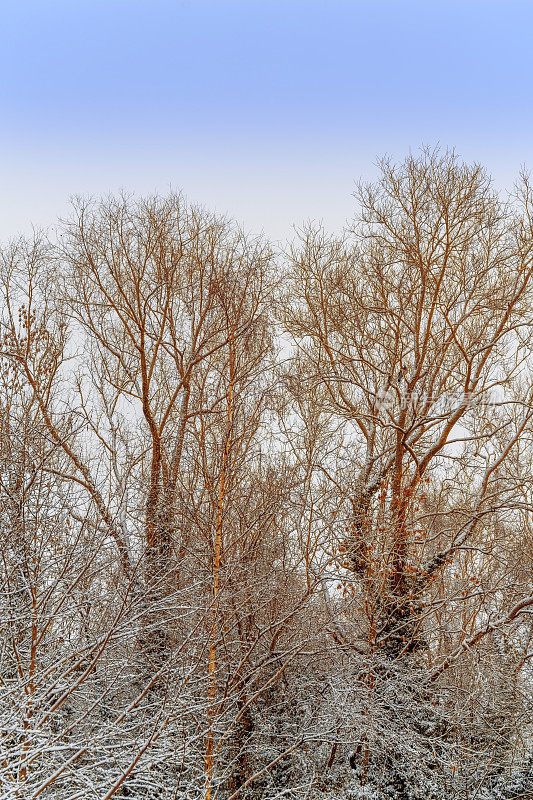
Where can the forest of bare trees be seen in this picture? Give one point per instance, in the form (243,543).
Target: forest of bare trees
(267,516)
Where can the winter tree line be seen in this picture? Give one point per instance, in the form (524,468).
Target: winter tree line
(267,515)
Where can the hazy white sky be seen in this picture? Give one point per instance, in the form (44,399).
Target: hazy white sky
(265,109)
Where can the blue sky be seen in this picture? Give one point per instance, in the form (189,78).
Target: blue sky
(264,109)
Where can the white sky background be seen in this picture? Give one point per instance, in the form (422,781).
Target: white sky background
(265,110)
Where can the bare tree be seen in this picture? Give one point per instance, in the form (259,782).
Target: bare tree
(413,344)
(256,557)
